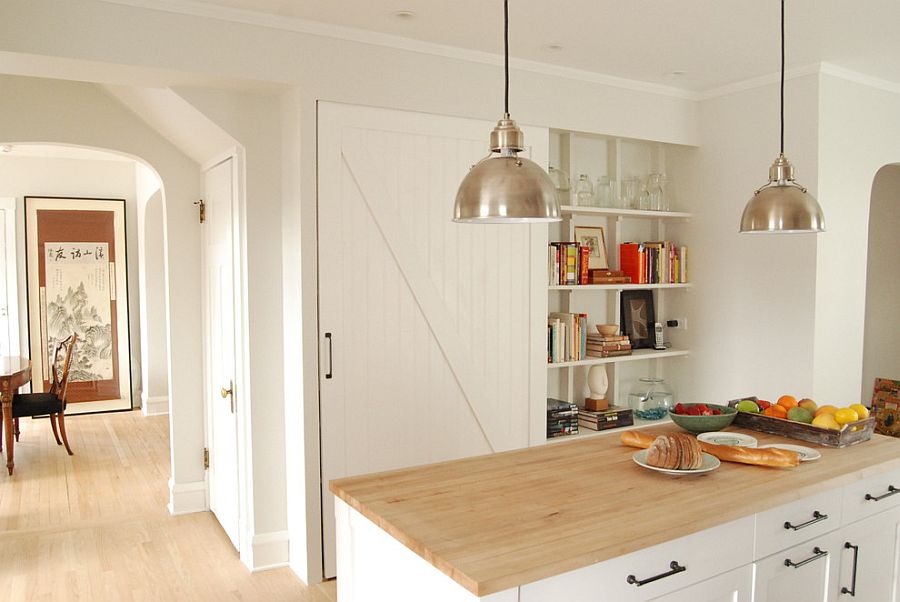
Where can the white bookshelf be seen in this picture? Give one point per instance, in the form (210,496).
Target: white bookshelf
(616,287)
(636,356)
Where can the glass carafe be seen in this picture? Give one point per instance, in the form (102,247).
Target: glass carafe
(651,399)
(584,192)
(654,192)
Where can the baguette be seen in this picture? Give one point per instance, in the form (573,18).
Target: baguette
(769,456)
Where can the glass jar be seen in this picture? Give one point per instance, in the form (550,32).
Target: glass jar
(584,192)
(603,192)
(651,399)
(561,182)
(667,192)
(654,192)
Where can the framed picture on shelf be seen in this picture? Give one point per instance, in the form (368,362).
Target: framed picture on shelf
(638,317)
(593,238)
(77,281)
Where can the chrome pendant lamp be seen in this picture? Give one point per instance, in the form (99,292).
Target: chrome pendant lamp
(503,187)
(782,205)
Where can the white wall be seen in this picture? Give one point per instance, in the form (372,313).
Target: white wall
(22,176)
(751,309)
(881,355)
(859,132)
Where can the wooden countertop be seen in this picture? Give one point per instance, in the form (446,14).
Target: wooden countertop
(499,521)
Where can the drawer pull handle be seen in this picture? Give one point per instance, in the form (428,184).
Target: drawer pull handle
(891,491)
(676,568)
(852,590)
(817,553)
(330,373)
(817,516)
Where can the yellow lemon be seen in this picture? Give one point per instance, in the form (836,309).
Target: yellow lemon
(825,410)
(826,421)
(861,410)
(845,415)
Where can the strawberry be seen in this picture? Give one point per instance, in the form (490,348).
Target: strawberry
(716,411)
(680,409)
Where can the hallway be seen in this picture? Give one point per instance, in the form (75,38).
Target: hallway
(94,526)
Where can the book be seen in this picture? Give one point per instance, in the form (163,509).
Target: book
(593,353)
(584,261)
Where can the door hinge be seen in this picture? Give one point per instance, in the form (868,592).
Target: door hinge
(202,207)
(206,458)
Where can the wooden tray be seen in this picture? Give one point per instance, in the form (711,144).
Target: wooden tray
(851,434)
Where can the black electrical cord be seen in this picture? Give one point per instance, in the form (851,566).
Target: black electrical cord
(506,56)
(782,77)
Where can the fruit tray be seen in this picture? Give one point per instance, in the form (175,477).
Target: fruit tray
(851,434)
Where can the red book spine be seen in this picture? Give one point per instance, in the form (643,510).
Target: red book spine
(585,260)
(629,260)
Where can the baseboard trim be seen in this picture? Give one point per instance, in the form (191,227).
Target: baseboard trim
(269,551)
(155,406)
(186,498)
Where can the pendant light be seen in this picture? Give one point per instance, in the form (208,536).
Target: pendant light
(503,187)
(782,205)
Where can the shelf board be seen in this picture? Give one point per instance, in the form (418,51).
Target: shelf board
(584,433)
(637,355)
(614,287)
(612,211)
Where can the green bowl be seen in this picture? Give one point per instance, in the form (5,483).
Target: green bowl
(704,424)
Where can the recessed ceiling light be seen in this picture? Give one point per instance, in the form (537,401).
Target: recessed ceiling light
(404,14)
(552,47)
(677,73)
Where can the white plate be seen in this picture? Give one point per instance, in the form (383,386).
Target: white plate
(807,454)
(709,463)
(726,438)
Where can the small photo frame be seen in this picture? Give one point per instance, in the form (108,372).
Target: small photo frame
(593,238)
(638,317)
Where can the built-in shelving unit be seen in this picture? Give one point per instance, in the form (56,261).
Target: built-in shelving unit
(616,158)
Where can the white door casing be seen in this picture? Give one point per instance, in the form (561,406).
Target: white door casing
(9,297)
(428,329)
(220,288)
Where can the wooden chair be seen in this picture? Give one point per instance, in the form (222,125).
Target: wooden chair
(54,401)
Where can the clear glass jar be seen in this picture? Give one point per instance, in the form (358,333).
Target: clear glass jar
(651,399)
(654,192)
(667,192)
(584,192)
(603,192)
(561,182)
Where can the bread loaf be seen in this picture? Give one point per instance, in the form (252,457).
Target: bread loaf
(769,456)
(675,451)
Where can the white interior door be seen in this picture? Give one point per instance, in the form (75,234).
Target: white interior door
(9,298)
(427,327)
(219,291)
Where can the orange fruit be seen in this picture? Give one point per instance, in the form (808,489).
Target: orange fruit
(827,409)
(787,402)
(775,411)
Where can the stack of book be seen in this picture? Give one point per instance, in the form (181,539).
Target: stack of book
(654,262)
(614,417)
(562,418)
(567,263)
(566,337)
(607,346)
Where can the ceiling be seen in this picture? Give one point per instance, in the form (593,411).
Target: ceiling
(713,42)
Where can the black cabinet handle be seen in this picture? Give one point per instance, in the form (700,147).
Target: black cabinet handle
(817,553)
(852,590)
(891,491)
(676,568)
(330,372)
(817,516)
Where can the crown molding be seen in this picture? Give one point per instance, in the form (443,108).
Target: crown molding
(860,78)
(758,82)
(248,17)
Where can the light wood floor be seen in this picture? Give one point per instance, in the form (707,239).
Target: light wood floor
(94,526)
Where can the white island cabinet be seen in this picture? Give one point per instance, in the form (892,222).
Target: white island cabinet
(581,522)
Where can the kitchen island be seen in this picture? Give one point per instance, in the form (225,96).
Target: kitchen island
(581,521)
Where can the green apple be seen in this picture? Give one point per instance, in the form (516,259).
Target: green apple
(747,405)
(799,414)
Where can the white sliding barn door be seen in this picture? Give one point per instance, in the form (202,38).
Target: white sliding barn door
(431,332)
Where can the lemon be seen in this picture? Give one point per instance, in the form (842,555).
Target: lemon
(826,421)
(845,415)
(861,410)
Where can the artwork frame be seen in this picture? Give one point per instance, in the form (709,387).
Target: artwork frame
(594,238)
(638,317)
(77,281)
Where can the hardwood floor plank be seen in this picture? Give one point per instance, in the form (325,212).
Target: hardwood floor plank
(94,526)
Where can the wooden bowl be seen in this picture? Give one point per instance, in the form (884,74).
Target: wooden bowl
(608,330)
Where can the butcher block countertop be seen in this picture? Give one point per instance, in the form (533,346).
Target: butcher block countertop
(500,521)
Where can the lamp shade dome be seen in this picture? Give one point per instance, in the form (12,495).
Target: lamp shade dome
(504,189)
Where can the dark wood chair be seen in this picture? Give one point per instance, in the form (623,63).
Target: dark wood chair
(53,402)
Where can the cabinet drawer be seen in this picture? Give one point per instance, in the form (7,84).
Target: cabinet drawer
(883,493)
(796,522)
(702,555)
(803,573)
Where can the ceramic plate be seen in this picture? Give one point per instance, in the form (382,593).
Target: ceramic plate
(709,463)
(807,454)
(726,438)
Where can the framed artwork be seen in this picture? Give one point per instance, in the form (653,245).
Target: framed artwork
(593,238)
(638,317)
(886,406)
(78,282)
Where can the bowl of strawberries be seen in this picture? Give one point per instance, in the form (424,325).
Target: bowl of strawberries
(702,417)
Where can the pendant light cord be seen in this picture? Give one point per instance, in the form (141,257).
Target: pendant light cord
(782,77)
(506,57)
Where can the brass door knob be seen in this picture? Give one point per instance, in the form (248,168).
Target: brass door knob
(226,392)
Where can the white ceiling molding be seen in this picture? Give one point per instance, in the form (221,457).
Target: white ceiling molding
(315,28)
(860,78)
(758,82)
